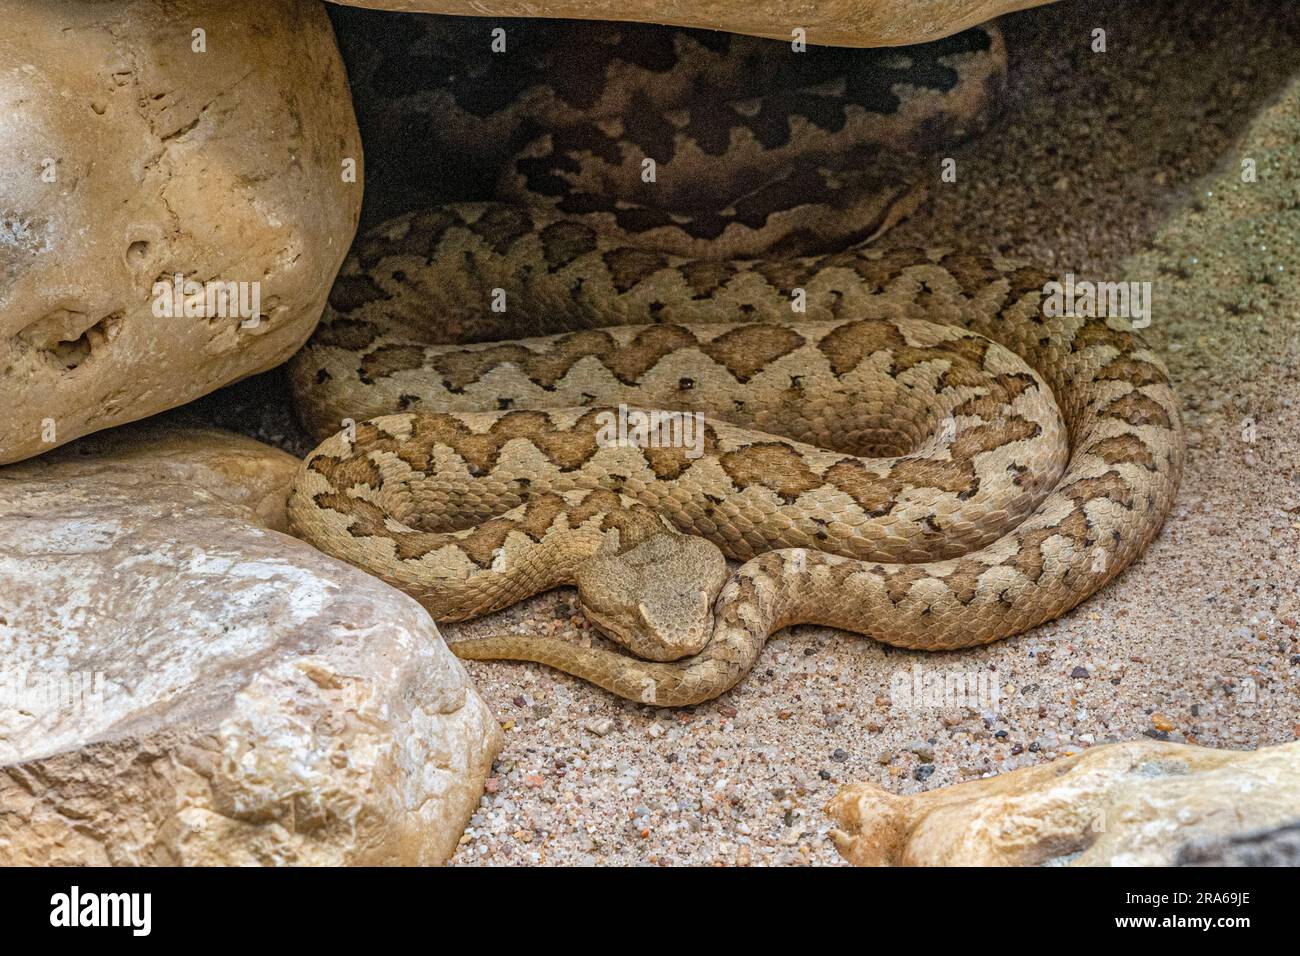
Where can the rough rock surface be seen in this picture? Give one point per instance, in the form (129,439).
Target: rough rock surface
(1278,846)
(833,22)
(1129,804)
(181,684)
(146,140)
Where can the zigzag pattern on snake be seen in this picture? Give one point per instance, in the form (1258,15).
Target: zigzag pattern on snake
(357,499)
(565,112)
(923,456)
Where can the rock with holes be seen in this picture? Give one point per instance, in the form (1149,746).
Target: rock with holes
(833,22)
(1129,804)
(181,683)
(215,142)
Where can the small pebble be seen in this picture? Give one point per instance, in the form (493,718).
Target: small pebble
(923,750)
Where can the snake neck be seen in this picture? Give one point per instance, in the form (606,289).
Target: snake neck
(751,607)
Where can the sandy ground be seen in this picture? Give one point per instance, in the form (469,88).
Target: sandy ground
(1121,165)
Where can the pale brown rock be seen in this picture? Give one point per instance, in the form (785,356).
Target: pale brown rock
(130,157)
(831,22)
(1129,804)
(219,692)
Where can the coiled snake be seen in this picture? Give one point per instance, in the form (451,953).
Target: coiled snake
(900,443)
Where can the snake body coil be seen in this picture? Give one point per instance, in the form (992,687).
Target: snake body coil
(899,442)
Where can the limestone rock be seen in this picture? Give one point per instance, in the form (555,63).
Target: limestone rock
(181,684)
(831,22)
(146,140)
(1129,804)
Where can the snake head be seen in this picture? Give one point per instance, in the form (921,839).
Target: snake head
(656,599)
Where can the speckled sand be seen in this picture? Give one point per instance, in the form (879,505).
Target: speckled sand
(1122,165)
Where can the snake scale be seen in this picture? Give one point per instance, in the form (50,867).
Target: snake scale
(895,442)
